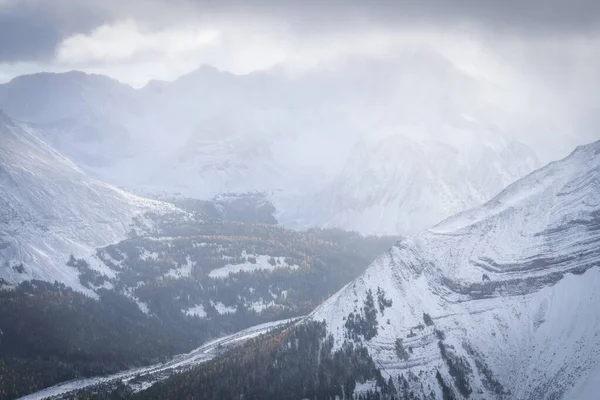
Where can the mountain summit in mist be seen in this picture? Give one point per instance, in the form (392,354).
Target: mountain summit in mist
(362,148)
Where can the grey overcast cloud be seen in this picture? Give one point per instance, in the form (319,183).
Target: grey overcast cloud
(542,56)
(135,41)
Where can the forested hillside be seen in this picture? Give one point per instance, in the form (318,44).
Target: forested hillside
(294,363)
(179,279)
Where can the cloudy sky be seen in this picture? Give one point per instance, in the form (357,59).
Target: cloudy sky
(138,40)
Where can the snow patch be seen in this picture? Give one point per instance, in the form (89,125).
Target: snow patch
(222,308)
(263,262)
(148,255)
(364,387)
(196,311)
(184,270)
(260,306)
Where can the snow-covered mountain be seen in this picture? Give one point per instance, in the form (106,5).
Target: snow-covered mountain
(88,118)
(49,208)
(403,184)
(496,302)
(377,146)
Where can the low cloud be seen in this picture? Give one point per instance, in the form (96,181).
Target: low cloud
(126,41)
(541,57)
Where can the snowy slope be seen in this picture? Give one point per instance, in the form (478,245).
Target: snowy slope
(49,209)
(512,288)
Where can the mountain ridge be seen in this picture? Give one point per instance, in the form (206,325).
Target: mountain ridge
(484,311)
(296,138)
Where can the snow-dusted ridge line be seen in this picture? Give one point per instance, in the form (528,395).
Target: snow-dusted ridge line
(512,288)
(281,136)
(162,371)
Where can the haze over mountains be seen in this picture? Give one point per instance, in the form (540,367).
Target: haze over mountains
(503,272)
(323,146)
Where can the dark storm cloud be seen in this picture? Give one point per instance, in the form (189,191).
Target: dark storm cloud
(31,29)
(547,16)
(21,38)
(520,16)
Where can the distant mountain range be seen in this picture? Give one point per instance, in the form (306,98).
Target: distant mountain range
(366,148)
